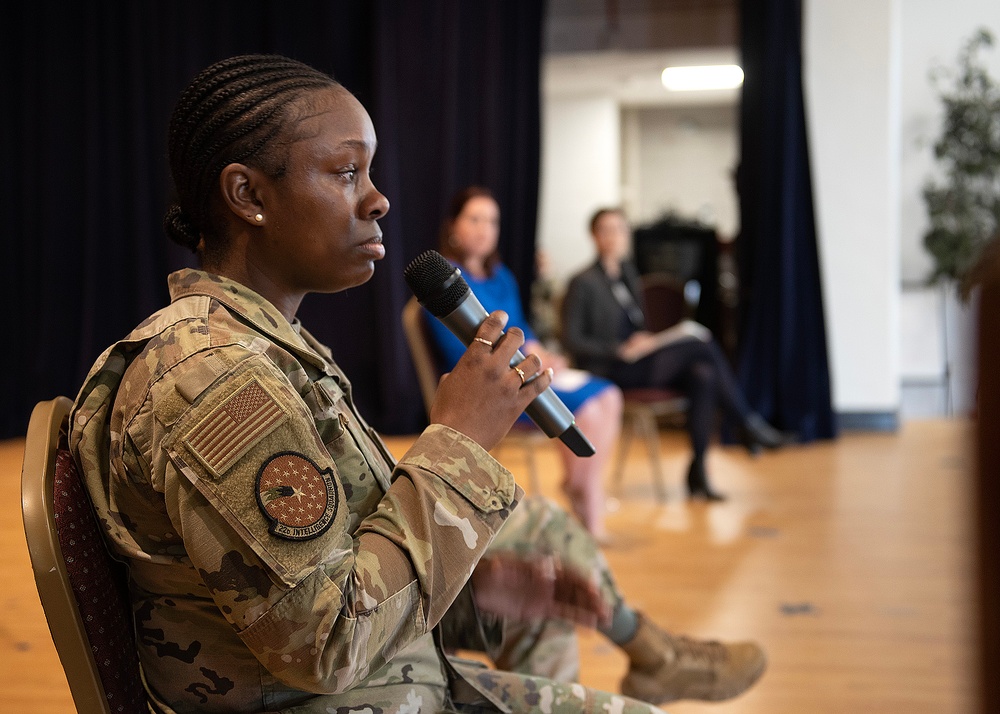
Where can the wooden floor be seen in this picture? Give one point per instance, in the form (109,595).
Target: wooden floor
(850,561)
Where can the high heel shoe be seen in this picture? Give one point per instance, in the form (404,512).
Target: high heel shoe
(697,483)
(759,435)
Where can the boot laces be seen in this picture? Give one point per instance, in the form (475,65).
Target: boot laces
(709,653)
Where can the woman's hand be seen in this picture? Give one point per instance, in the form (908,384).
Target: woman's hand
(483,396)
(638,344)
(537,587)
(550,360)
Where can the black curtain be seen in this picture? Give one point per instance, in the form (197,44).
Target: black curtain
(453,91)
(456,102)
(782,356)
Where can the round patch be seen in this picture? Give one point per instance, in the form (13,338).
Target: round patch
(298,498)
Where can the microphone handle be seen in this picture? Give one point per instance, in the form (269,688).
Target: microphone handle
(546,410)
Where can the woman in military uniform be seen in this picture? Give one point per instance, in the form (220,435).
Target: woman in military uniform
(279,558)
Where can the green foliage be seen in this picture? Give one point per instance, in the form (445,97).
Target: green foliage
(964,207)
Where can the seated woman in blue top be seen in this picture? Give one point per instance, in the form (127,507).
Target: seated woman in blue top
(469,237)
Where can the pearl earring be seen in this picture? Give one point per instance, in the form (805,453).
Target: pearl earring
(259,217)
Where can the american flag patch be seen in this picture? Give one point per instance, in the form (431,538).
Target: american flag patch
(235,426)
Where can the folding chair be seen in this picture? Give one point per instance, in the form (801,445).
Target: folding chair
(644,408)
(82,589)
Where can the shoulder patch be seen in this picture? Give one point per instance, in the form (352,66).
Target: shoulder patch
(296,496)
(233,427)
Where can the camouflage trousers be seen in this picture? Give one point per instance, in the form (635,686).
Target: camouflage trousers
(537,663)
(547,648)
(543,648)
(521,694)
(524,694)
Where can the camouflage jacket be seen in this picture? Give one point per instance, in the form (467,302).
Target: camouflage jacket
(279,558)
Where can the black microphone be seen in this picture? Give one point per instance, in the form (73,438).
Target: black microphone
(441,289)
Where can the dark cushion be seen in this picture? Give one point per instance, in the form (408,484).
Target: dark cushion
(100,586)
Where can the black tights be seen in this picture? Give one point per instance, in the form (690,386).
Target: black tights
(700,371)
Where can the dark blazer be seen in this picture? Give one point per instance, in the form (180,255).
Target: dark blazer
(591,317)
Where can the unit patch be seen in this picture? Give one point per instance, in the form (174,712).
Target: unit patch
(298,498)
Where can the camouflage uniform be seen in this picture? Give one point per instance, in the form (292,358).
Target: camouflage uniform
(279,560)
(549,648)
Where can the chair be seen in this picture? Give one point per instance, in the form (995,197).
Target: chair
(664,305)
(82,589)
(642,410)
(525,437)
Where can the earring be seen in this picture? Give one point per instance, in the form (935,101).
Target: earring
(259,217)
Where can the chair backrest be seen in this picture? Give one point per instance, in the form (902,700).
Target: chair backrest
(422,351)
(427,365)
(82,589)
(665,303)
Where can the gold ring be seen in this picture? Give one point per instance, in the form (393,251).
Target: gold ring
(484,341)
(520,373)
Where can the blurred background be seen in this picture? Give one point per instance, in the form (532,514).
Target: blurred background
(558,106)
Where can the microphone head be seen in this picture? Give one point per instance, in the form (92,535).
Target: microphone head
(436,283)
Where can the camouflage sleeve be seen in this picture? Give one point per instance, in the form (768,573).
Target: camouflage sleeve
(257,499)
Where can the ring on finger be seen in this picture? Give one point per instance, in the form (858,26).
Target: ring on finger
(520,373)
(486,342)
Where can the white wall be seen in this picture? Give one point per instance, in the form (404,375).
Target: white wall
(584,97)
(681,159)
(581,171)
(933,32)
(872,116)
(851,87)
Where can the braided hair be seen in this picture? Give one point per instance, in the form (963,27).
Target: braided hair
(231,112)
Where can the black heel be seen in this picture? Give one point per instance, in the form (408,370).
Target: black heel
(697,483)
(753,447)
(758,435)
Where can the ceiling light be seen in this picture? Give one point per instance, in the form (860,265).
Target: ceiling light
(689,79)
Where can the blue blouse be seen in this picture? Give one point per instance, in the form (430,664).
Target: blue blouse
(500,292)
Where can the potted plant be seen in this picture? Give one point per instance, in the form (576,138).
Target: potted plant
(963,202)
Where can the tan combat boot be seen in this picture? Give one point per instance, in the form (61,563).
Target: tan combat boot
(665,667)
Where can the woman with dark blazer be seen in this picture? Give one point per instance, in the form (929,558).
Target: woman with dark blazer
(604,332)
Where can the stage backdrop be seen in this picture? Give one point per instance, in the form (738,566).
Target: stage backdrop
(452,87)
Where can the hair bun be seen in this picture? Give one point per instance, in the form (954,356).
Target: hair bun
(179,228)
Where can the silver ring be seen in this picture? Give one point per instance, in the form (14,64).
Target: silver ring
(483,340)
(520,373)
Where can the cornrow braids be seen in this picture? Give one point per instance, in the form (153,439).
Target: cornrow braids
(232,111)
